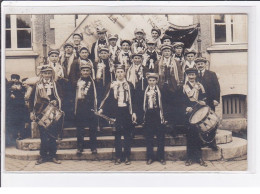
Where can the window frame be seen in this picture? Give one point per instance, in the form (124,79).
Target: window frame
(228,24)
(14,39)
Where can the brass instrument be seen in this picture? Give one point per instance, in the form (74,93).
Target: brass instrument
(110,120)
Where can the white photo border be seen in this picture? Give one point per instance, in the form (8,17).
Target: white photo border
(249,177)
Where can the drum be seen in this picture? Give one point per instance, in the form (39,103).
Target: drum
(206,120)
(49,116)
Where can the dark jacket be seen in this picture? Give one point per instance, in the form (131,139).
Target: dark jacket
(211,85)
(109,103)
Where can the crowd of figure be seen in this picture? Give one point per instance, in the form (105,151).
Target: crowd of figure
(150,82)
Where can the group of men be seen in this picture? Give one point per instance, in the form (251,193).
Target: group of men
(149,82)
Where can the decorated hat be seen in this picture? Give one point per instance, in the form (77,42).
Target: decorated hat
(139,30)
(152,75)
(188,51)
(157,30)
(150,41)
(178,44)
(200,59)
(140,54)
(85,64)
(103,48)
(78,34)
(127,41)
(165,36)
(119,66)
(101,30)
(83,48)
(191,70)
(15,76)
(112,36)
(68,44)
(165,46)
(52,51)
(44,68)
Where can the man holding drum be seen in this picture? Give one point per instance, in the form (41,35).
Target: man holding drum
(195,97)
(46,93)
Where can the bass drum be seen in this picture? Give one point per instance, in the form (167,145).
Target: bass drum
(206,120)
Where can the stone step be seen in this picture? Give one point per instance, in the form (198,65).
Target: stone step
(222,137)
(105,131)
(234,149)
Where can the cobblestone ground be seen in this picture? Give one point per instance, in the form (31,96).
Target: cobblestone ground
(239,164)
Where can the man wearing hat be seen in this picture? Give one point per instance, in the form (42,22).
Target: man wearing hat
(102,41)
(138,43)
(104,69)
(189,55)
(46,91)
(15,110)
(53,61)
(86,101)
(166,40)
(170,81)
(156,33)
(75,67)
(153,118)
(136,75)
(210,81)
(124,56)
(150,56)
(113,47)
(77,38)
(68,57)
(194,93)
(119,103)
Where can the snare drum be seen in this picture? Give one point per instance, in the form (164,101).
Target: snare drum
(49,115)
(206,120)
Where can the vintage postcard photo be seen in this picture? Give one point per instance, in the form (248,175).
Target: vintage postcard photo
(126,93)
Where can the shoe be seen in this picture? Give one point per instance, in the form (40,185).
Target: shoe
(202,163)
(117,161)
(150,161)
(94,151)
(214,148)
(127,161)
(40,161)
(54,160)
(162,161)
(188,162)
(79,152)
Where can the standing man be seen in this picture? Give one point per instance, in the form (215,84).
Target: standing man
(113,47)
(119,102)
(194,94)
(102,41)
(210,81)
(77,38)
(45,92)
(153,119)
(170,81)
(86,101)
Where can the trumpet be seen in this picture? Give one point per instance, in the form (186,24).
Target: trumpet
(110,120)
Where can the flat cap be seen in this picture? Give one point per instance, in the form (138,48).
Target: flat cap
(150,41)
(103,48)
(84,48)
(157,30)
(112,36)
(200,59)
(68,44)
(85,64)
(188,51)
(178,44)
(165,46)
(52,51)
(78,34)
(152,75)
(165,36)
(191,70)
(127,41)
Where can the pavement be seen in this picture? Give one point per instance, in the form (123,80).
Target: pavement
(238,164)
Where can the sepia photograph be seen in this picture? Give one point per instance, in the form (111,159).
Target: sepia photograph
(126,93)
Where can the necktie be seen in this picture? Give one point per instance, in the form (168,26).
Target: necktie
(54,64)
(200,74)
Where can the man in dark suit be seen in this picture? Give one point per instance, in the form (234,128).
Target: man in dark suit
(210,82)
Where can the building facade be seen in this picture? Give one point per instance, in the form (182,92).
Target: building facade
(223,42)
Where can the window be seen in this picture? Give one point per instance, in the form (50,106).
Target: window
(229,29)
(18,32)
(234,106)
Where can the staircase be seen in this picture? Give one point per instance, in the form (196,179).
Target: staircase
(175,149)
